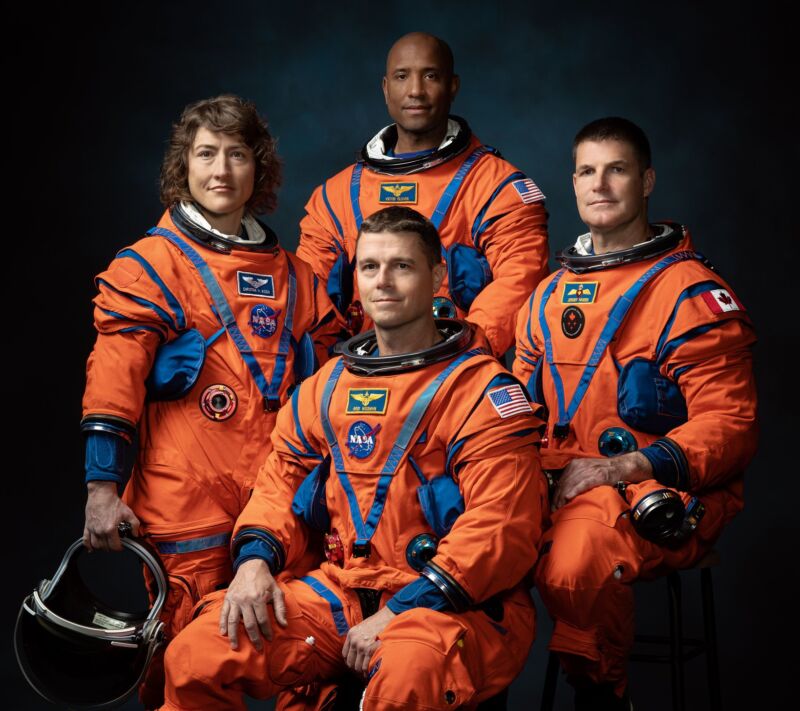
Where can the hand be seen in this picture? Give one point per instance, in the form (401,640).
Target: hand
(246,600)
(583,474)
(104,512)
(362,640)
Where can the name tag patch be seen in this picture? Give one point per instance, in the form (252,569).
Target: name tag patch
(393,193)
(361,401)
(583,292)
(251,284)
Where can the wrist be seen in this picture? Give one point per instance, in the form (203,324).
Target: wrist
(101,486)
(632,467)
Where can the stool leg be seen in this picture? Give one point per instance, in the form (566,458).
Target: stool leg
(710,625)
(676,640)
(550,681)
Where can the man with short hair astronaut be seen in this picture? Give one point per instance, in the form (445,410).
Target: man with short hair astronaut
(640,353)
(415,454)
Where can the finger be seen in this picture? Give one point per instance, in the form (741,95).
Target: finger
(352,656)
(87,540)
(279,606)
(233,626)
(346,648)
(98,542)
(251,627)
(135,524)
(262,617)
(223,618)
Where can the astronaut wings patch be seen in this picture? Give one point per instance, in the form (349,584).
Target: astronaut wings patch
(509,400)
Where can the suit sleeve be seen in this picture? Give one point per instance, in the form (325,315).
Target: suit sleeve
(527,353)
(708,352)
(267,528)
(321,235)
(495,459)
(135,311)
(512,235)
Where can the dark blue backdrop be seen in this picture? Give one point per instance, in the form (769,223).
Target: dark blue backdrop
(100,86)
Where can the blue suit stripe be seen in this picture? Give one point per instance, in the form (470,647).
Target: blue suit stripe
(333,217)
(297,426)
(337,611)
(163,315)
(169,297)
(449,194)
(355,190)
(478,226)
(694,290)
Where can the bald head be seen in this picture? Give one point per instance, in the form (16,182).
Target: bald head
(419,88)
(415,43)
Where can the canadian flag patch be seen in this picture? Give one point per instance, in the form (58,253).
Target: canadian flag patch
(721,300)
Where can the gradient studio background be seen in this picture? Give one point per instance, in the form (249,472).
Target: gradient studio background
(100,84)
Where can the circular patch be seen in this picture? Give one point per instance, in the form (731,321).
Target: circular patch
(444,308)
(572,321)
(615,441)
(361,439)
(354,317)
(264,320)
(218,402)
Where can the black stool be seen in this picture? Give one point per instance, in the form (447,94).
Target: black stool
(681,648)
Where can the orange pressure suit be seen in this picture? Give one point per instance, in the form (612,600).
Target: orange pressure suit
(395,434)
(603,350)
(490,216)
(201,441)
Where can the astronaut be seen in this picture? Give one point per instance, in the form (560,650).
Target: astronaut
(640,352)
(203,327)
(415,453)
(491,216)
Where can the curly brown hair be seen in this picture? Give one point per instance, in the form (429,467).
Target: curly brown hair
(228,114)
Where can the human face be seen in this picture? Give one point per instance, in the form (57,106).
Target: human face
(221,176)
(419,86)
(395,280)
(610,187)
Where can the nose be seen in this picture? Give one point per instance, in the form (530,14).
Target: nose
(600,180)
(384,280)
(221,165)
(416,86)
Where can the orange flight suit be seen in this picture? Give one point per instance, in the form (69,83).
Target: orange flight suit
(687,323)
(382,448)
(198,456)
(496,210)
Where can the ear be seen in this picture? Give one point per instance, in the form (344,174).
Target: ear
(383,88)
(455,85)
(648,181)
(439,272)
(575,184)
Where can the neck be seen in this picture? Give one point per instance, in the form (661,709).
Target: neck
(622,237)
(228,223)
(408,142)
(408,338)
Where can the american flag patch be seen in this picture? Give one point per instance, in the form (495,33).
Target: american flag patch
(528,191)
(721,300)
(509,400)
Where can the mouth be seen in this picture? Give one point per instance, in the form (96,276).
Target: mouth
(221,189)
(416,109)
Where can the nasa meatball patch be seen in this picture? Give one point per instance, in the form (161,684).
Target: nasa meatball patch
(251,284)
(361,439)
